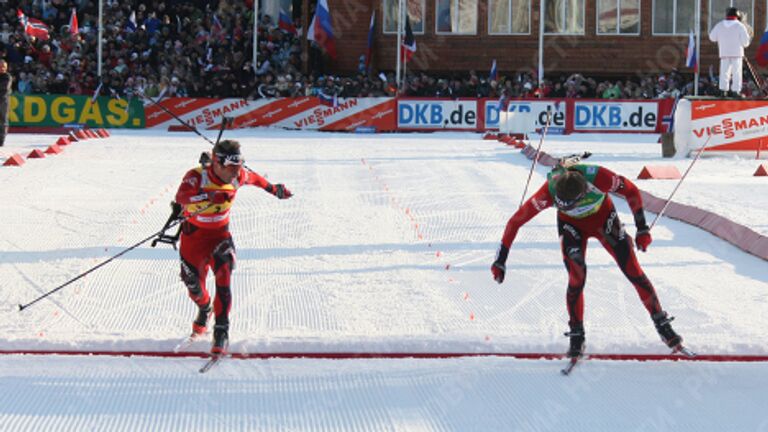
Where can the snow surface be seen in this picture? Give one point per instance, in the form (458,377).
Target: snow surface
(385,247)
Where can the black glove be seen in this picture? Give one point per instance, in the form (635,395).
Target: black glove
(499,267)
(280,191)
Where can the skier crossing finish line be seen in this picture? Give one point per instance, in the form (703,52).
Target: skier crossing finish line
(207,193)
(584,209)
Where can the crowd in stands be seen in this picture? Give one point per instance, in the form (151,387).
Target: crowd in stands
(178,48)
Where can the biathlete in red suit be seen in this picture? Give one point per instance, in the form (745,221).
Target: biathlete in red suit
(207,194)
(584,210)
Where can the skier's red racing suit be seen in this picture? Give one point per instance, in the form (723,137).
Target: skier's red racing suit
(205,237)
(593,216)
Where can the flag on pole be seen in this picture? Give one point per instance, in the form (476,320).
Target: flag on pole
(409,42)
(73,27)
(369,51)
(690,53)
(285,23)
(131,26)
(320,30)
(217,29)
(762,50)
(33,27)
(494,72)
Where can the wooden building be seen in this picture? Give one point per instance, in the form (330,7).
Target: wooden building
(595,37)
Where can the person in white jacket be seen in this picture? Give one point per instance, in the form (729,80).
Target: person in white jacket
(731,37)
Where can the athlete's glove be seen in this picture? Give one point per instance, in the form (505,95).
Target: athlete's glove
(499,267)
(220,197)
(279,190)
(643,238)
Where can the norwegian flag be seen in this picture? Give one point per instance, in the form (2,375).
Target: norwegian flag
(73,27)
(33,27)
(408,49)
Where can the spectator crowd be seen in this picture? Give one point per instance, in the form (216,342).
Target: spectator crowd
(204,49)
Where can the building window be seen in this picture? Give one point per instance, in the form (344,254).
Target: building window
(564,16)
(415,15)
(456,16)
(618,17)
(717,10)
(509,17)
(673,17)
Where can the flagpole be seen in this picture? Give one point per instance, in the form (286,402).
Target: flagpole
(255,35)
(698,48)
(399,40)
(100,33)
(541,41)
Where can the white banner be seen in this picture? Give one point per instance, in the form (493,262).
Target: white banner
(437,114)
(615,116)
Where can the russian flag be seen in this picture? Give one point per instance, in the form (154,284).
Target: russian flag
(131,26)
(33,27)
(320,30)
(690,53)
(73,27)
(494,72)
(369,51)
(285,23)
(762,50)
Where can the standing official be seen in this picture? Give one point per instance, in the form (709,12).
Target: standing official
(731,36)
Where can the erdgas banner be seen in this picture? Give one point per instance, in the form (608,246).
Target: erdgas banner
(59,110)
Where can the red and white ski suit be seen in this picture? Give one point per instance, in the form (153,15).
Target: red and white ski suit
(205,237)
(604,225)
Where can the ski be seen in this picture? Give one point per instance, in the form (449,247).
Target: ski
(684,351)
(572,362)
(186,342)
(212,361)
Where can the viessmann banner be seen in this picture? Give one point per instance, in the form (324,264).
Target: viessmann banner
(58,110)
(288,113)
(729,125)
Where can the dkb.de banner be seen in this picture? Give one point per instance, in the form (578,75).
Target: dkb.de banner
(59,110)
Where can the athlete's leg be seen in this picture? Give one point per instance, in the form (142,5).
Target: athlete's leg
(619,244)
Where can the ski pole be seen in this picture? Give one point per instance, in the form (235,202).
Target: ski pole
(666,204)
(755,77)
(225,120)
(536,156)
(112,258)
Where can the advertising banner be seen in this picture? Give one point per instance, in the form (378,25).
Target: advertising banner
(59,110)
(729,125)
(437,114)
(537,109)
(306,113)
(615,116)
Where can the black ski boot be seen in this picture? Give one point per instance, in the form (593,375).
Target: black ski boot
(220,340)
(200,324)
(577,340)
(663,326)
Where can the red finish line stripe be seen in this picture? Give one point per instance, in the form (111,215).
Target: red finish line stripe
(401,355)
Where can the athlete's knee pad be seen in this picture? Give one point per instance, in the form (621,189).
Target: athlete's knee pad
(191,278)
(224,254)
